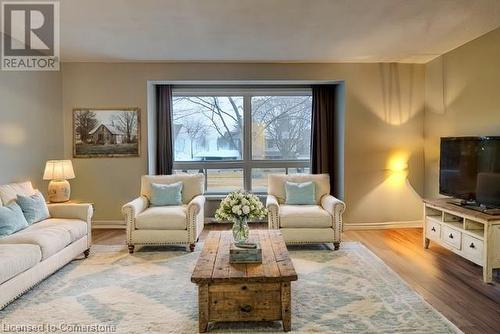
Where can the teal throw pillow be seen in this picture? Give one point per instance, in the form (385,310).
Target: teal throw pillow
(300,193)
(34,207)
(166,194)
(11,219)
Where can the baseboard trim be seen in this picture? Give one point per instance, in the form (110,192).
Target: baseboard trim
(119,224)
(108,224)
(382,225)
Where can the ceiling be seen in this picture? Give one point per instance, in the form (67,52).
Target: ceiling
(413,31)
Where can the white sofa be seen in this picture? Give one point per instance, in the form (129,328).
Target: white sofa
(302,224)
(166,225)
(34,253)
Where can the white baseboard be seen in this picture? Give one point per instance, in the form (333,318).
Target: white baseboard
(120,224)
(108,224)
(382,225)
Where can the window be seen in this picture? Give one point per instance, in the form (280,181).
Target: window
(208,128)
(238,136)
(281,127)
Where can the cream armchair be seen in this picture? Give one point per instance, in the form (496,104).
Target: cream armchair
(299,224)
(166,225)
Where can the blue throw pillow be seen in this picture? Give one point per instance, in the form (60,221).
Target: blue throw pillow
(34,207)
(166,194)
(300,193)
(11,219)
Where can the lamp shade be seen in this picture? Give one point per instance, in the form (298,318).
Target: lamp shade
(59,170)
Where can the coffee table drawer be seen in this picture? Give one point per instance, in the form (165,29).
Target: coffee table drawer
(451,236)
(245,302)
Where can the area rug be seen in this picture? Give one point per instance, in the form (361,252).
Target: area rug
(345,291)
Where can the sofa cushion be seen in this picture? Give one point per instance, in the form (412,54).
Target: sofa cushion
(304,216)
(162,218)
(76,228)
(50,237)
(9,192)
(34,207)
(15,259)
(11,219)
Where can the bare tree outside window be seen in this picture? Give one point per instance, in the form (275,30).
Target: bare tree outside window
(208,137)
(208,128)
(282,127)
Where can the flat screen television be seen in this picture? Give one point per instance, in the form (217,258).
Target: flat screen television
(470,170)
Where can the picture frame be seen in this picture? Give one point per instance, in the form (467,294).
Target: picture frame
(106,132)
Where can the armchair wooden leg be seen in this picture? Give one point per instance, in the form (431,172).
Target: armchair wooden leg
(336,245)
(86,253)
(191,247)
(131,249)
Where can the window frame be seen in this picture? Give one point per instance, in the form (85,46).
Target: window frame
(247,163)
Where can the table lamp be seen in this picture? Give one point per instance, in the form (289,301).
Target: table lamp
(58,172)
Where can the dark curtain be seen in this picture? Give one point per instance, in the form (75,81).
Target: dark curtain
(323,132)
(164,147)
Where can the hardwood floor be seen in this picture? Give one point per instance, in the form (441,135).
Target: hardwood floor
(448,282)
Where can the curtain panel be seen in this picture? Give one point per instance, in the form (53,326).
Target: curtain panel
(164,145)
(323,132)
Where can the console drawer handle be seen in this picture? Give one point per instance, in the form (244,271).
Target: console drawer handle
(472,245)
(246,308)
(433,229)
(450,236)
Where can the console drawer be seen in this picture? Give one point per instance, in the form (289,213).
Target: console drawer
(472,248)
(451,236)
(432,229)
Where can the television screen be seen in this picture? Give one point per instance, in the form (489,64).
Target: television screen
(458,167)
(488,172)
(470,169)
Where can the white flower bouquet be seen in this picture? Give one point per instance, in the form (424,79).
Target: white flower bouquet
(239,207)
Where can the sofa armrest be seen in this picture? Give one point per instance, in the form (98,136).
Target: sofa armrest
(195,212)
(273,209)
(71,211)
(133,208)
(83,211)
(130,211)
(336,208)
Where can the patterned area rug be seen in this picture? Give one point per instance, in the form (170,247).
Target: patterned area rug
(347,291)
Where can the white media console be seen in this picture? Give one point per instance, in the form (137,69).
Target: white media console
(471,234)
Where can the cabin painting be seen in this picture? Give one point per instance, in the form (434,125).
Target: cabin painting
(105,133)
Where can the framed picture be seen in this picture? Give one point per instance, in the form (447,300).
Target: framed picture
(106,133)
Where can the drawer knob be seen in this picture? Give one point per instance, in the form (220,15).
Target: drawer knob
(472,245)
(246,308)
(433,229)
(450,236)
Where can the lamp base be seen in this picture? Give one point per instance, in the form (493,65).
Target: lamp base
(59,191)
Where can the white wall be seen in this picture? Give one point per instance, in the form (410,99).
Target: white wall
(462,99)
(384,120)
(31,128)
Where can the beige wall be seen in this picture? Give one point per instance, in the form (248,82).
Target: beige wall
(462,91)
(31,129)
(384,117)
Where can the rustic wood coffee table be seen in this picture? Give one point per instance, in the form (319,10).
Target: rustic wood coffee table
(244,292)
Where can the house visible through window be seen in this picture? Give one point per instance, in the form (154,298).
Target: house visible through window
(238,136)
